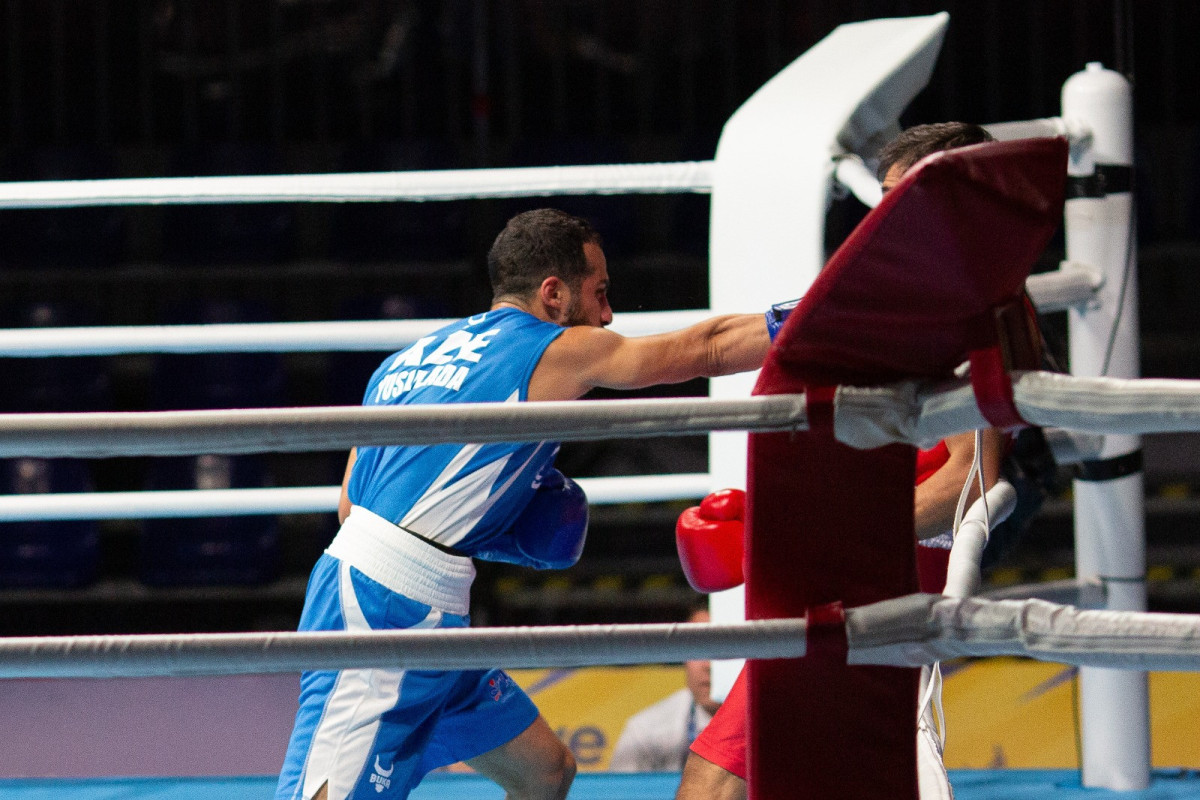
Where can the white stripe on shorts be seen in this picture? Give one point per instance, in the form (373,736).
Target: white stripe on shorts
(345,736)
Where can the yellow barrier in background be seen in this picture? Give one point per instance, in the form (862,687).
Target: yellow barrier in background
(1020,714)
(588,707)
(1000,713)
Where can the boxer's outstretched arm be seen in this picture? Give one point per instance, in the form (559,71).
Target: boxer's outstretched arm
(937,497)
(584,357)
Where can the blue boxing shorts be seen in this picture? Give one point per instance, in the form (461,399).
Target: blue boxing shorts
(377,732)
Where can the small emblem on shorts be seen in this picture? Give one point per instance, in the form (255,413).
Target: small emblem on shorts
(382,777)
(497,686)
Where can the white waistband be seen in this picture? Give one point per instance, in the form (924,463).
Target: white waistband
(403,563)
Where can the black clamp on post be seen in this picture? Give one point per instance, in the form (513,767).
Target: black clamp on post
(1109,469)
(1107,179)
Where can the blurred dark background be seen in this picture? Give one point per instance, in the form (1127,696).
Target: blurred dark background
(152,88)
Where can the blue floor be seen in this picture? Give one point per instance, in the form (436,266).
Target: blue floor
(984,784)
(968,785)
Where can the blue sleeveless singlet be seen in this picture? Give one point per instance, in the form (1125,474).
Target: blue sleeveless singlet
(457,495)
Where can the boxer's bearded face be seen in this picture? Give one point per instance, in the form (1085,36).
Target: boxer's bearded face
(588,304)
(575,315)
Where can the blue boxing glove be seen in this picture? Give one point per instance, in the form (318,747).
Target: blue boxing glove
(549,533)
(777,314)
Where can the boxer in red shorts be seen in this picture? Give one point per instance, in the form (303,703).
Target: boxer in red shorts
(716,766)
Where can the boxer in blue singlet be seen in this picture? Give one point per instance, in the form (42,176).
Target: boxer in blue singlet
(413,517)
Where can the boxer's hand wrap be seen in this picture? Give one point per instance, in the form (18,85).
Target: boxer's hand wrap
(549,533)
(777,314)
(709,540)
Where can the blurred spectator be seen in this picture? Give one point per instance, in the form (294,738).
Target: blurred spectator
(656,739)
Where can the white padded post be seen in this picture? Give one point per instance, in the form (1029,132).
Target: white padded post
(1109,516)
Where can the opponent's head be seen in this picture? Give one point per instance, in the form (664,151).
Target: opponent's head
(914,143)
(549,260)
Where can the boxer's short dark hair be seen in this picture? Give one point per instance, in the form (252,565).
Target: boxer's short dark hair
(538,244)
(919,141)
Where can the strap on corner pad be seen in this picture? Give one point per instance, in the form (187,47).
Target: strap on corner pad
(826,632)
(1012,342)
(818,401)
(993,389)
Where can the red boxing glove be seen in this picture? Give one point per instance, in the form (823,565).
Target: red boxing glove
(709,540)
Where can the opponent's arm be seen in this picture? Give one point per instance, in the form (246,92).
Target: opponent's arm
(584,357)
(936,498)
(343,509)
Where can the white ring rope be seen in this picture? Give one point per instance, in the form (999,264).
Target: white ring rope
(1068,286)
(921,629)
(168,503)
(924,414)
(1051,291)
(416,185)
(865,417)
(907,631)
(164,433)
(283,337)
(470,648)
(851,172)
(297,500)
(1077,132)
